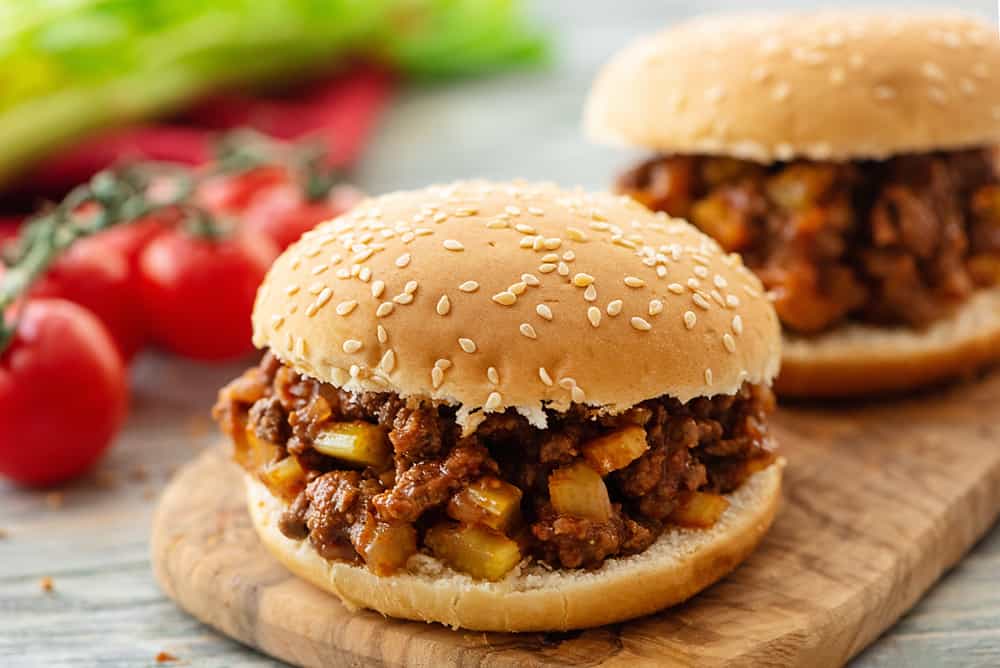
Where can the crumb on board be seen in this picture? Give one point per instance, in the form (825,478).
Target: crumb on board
(54,500)
(46,584)
(165,657)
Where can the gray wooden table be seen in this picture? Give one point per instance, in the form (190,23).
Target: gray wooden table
(91,538)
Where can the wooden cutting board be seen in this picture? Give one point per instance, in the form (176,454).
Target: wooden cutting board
(879,501)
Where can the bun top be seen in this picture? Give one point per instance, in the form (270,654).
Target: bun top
(835,85)
(497,295)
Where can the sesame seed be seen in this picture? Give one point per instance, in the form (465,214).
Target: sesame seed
(883,92)
(750,291)
(378,287)
(469,286)
(496,224)
(443,305)
(363,255)
(493,402)
(277,321)
(737,325)
(465,212)
(468,345)
(518,288)
(728,342)
(576,234)
(445,364)
(599,226)
(403,260)
(343,272)
(732,301)
(594,316)
(582,280)
(535,211)
(388,361)
(524,228)
(453,245)
(437,377)
(531,242)
(932,71)
(622,241)
(546,268)
(699,299)
(512,210)
(345,308)
(351,346)
(676,288)
(640,324)
(655,307)
(693,283)
(410,287)
(440,217)
(590,294)
(530,279)
(404,298)
(708,376)
(614,307)
(423,231)
(544,311)
(720,281)
(383,336)
(527,330)
(315,288)
(690,319)
(550,257)
(569,256)
(384,309)
(577,394)
(291,290)
(634,282)
(567,383)
(544,375)
(562,269)
(552,243)
(505,298)
(319,269)
(492,375)
(780,91)
(701,271)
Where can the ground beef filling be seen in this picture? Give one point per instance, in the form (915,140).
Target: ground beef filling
(895,242)
(382,513)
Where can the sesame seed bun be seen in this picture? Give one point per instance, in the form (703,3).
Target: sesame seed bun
(857,359)
(499,296)
(678,565)
(834,85)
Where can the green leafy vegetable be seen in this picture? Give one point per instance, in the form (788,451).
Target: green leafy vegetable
(71,66)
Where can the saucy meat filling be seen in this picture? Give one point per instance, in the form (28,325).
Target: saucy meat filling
(894,242)
(374,478)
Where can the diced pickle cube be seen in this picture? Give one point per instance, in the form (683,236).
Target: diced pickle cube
(700,511)
(481,552)
(489,501)
(355,442)
(578,490)
(390,547)
(284,478)
(615,450)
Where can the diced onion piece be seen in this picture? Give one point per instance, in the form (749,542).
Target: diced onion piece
(578,490)
(355,442)
(259,453)
(700,511)
(390,547)
(481,552)
(489,501)
(284,478)
(615,450)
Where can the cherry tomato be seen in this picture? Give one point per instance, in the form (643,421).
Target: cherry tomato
(283,214)
(93,274)
(198,293)
(131,239)
(63,393)
(232,194)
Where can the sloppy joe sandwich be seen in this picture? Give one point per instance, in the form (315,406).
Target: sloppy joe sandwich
(508,406)
(850,157)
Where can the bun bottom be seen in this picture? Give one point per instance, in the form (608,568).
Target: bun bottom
(678,565)
(856,360)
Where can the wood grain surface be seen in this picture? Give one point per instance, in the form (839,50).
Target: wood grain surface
(880,500)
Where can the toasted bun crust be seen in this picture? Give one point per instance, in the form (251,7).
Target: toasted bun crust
(834,85)
(510,295)
(679,565)
(857,360)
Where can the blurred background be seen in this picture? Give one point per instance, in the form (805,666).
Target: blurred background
(394,98)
